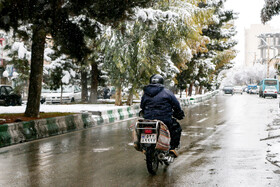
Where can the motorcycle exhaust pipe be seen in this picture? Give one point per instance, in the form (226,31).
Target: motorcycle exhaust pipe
(170,159)
(161,156)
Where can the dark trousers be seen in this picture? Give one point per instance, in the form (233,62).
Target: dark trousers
(175,133)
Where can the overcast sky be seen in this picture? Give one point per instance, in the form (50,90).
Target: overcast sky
(249,13)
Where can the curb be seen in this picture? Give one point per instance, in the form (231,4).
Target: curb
(14,133)
(111,116)
(20,132)
(197,99)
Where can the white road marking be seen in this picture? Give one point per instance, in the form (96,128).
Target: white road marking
(200,121)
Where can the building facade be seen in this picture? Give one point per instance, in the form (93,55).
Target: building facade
(269,46)
(255,48)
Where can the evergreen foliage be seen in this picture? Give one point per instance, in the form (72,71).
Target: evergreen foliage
(212,56)
(271,8)
(188,42)
(67,21)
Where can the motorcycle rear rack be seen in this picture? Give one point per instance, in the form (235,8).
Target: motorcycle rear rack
(147,123)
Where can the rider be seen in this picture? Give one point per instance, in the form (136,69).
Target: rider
(161,104)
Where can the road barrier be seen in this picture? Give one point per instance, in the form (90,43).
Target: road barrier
(19,132)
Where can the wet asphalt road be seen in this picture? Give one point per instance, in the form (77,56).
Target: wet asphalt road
(220,147)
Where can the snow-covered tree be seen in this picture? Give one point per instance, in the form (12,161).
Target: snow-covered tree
(18,52)
(246,75)
(158,40)
(271,8)
(210,60)
(55,18)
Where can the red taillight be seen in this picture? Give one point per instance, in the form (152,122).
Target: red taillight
(275,92)
(148,131)
(264,91)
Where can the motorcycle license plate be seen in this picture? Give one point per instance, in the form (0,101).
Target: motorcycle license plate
(148,138)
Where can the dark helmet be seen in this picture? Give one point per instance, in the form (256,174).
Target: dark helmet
(156,79)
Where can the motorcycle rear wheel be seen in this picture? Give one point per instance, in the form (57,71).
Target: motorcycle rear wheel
(152,161)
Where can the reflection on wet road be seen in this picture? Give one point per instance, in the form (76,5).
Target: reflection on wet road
(220,147)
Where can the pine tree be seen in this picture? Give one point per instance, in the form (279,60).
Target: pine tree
(154,42)
(271,8)
(58,18)
(220,49)
(18,52)
(205,66)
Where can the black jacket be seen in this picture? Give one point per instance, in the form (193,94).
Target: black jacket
(160,103)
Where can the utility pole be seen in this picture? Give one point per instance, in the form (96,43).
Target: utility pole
(267,61)
(255,58)
(267,72)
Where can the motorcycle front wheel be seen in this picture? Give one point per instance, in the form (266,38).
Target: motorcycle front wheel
(152,161)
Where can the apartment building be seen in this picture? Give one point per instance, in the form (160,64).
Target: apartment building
(256,38)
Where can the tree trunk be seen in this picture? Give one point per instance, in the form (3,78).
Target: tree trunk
(200,89)
(84,85)
(36,73)
(94,83)
(61,92)
(130,97)
(118,100)
(190,89)
(186,91)
(196,90)
(180,93)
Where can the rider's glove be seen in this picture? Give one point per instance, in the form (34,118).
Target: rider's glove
(179,115)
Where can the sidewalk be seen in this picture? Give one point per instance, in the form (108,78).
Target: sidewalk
(273,141)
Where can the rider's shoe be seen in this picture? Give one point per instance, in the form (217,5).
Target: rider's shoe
(173,153)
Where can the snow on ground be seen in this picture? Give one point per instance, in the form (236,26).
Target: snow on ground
(273,141)
(61,108)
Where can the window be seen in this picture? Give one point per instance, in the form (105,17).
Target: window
(77,89)
(3,91)
(9,89)
(270,82)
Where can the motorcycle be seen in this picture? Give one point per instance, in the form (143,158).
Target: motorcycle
(152,137)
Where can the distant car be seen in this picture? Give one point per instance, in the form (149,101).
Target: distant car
(8,97)
(70,94)
(254,90)
(228,90)
(238,89)
(270,91)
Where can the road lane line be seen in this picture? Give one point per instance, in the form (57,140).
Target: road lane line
(200,121)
